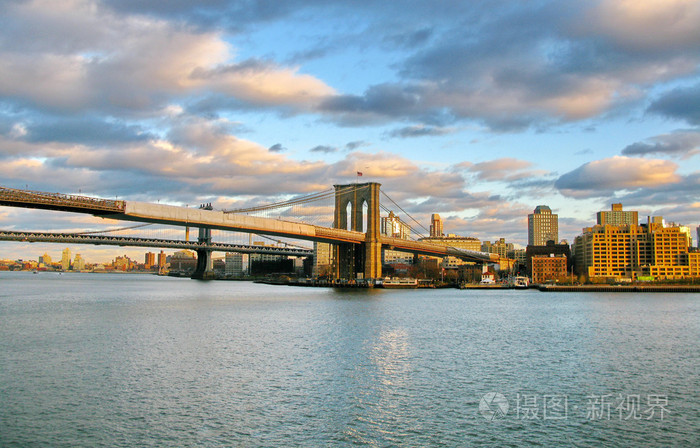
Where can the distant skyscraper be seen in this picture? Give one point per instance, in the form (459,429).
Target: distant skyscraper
(435,226)
(617,217)
(234,264)
(162,260)
(150,260)
(542,226)
(393,226)
(65,259)
(46,259)
(78,263)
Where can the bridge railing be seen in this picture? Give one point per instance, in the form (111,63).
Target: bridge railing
(16,196)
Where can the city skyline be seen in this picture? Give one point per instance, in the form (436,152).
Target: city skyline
(474,111)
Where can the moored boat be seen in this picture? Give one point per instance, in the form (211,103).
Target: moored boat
(400,283)
(520,282)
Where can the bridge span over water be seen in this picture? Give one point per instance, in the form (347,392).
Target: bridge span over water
(356,250)
(98,240)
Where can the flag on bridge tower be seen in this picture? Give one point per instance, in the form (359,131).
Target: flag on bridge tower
(359,174)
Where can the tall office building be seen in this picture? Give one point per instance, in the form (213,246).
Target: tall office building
(542,226)
(435,226)
(698,232)
(150,260)
(234,264)
(323,260)
(78,263)
(162,260)
(617,217)
(393,226)
(65,259)
(499,247)
(46,259)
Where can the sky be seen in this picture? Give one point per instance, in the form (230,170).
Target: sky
(476,110)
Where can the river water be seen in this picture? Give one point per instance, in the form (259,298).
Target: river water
(140,360)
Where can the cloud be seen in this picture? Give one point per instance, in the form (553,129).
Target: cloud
(515,66)
(505,169)
(277,147)
(84,130)
(263,83)
(78,57)
(682,103)
(351,146)
(685,191)
(420,131)
(324,149)
(628,22)
(412,38)
(602,177)
(679,144)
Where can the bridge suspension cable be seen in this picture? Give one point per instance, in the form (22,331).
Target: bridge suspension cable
(91,232)
(407,214)
(321,195)
(286,243)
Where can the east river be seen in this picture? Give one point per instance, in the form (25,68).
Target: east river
(140,360)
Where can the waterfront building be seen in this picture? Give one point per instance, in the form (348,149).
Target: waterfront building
(549,268)
(161,260)
(78,263)
(499,247)
(234,264)
(551,249)
(150,260)
(262,264)
(393,227)
(697,230)
(617,217)
(632,251)
(65,259)
(393,257)
(459,242)
(436,226)
(265,258)
(519,256)
(183,261)
(323,260)
(45,260)
(123,263)
(670,252)
(542,226)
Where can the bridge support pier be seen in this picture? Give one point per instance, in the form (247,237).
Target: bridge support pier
(351,259)
(205,262)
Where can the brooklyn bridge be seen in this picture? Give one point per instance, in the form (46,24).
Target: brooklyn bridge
(354,235)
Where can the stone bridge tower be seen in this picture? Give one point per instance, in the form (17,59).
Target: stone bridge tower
(205,262)
(351,259)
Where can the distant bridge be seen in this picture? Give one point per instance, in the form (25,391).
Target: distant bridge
(72,238)
(356,251)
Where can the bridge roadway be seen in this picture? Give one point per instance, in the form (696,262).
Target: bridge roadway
(191,217)
(45,237)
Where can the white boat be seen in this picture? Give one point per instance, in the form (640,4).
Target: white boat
(400,283)
(520,282)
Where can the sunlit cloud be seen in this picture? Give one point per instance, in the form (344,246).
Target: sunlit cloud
(601,177)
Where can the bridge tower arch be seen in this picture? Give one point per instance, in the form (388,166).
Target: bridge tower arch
(350,259)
